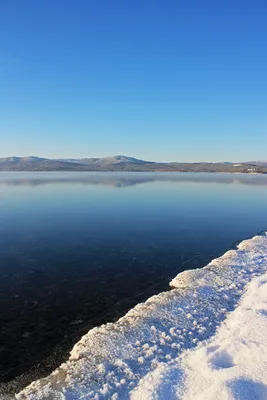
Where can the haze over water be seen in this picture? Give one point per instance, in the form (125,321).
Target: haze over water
(80,249)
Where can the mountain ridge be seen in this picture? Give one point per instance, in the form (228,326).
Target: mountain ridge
(124,163)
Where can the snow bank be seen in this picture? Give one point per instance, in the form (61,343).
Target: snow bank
(231,365)
(141,356)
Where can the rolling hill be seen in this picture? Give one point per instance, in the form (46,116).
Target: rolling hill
(123,163)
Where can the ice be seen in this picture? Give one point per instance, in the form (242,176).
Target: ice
(165,347)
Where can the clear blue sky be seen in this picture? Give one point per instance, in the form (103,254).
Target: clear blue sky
(164,80)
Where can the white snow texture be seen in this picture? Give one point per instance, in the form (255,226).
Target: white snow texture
(204,340)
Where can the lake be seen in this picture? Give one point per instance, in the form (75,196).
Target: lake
(79,249)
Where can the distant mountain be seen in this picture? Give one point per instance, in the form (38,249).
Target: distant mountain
(122,163)
(101,162)
(261,163)
(33,164)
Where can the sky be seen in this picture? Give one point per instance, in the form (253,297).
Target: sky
(169,80)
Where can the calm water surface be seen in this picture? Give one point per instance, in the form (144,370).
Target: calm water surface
(80,249)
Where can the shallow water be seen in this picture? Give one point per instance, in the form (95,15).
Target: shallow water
(80,249)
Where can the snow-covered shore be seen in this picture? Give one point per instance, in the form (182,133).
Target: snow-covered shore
(202,340)
(231,365)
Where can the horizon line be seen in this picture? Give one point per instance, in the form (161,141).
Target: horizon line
(123,155)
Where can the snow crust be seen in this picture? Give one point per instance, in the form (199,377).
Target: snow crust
(197,341)
(231,365)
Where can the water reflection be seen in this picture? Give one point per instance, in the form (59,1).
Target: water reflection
(125,179)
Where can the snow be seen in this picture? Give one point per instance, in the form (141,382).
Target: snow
(202,340)
(231,365)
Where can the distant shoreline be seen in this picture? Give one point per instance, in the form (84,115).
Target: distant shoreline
(264,172)
(125,164)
